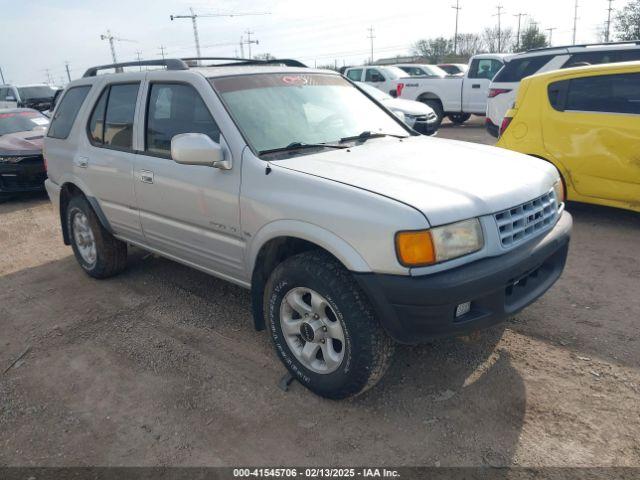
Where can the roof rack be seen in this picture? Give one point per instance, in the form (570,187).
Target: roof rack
(629,42)
(169,63)
(246,61)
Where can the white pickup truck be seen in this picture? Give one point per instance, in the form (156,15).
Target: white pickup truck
(455,97)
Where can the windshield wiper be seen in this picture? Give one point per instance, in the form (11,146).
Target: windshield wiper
(299,146)
(366,135)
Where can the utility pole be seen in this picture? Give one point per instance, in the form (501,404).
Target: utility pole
(241,47)
(607,36)
(371,36)
(2,75)
(519,15)
(66,66)
(499,15)
(248,41)
(162,49)
(49,79)
(193,16)
(550,30)
(457,8)
(139,57)
(575,22)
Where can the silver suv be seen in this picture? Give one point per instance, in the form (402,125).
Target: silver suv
(352,231)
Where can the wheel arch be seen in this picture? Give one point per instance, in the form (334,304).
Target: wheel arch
(68,190)
(280,240)
(565,175)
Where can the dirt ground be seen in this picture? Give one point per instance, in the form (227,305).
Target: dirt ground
(161,366)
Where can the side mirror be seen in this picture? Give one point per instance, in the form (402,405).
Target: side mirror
(198,149)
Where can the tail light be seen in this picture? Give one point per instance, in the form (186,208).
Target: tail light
(505,124)
(46,168)
(399,88)
(494,92)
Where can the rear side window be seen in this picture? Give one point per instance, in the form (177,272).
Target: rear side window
(605,93)
(484,68)
(355,74)
(96,122)
(597,57)
(517,69)
(373,75)
(67,112)
(111,122)
(174,109)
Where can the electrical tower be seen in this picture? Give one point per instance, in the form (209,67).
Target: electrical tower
(607,35)
(371,36)
(111,40)
(193,16)
(575,22)
(499,15)
(457,8)
(519,15)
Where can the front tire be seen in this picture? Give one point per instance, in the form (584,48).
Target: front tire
(323,328)
(459,118)
(98,252)
(436,106)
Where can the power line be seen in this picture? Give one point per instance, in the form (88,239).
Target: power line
(371,36)
(193,16)
(608,31)
(457,8)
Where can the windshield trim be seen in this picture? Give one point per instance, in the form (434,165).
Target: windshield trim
(255,152)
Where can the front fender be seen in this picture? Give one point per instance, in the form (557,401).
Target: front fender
(326,239)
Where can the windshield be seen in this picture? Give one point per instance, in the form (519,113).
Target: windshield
(395,72)
(277,110)
(13,122)
(27,93)
(374,92)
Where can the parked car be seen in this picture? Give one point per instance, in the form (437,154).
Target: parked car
(21,163)
(54,100)
(456,69)
(421,70)
(37,96)
(586,122)
(383,78)
(350,229)
(455,97)
(417,115)
(504,87)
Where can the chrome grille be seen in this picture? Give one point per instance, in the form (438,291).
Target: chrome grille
(523,222)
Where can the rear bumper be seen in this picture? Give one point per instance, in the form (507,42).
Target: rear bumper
(416,309)
(26,176)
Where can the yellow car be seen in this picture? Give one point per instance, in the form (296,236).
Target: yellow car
(586,121)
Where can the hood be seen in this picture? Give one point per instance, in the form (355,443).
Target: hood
(408,107)
(22,143)
(446,180)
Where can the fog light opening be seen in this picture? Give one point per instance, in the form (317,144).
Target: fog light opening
(463,309)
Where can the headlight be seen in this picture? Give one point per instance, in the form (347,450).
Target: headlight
(558,188)
(427,247)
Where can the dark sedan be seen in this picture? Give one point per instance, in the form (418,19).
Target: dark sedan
(22,167)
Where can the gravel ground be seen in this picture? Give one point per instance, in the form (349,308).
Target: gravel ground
(161,366)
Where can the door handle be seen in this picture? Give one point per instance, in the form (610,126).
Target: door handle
(475,85)
(146,176)
(82,162)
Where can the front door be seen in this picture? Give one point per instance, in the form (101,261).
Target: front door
(189,212)
(595,134)
(475,87)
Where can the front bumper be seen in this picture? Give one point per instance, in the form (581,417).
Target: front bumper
(27,175)
(416,309)
(425,128)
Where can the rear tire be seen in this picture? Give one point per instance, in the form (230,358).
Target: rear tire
(98,252)
(459,118)
(323,328)
(436,106)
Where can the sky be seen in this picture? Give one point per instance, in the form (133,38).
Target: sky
(41,35)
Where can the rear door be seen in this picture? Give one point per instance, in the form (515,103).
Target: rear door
(106,163)
(190,212)
(594,130)
(475,87)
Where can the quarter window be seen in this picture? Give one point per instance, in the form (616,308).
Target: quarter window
(67,112)
(174,109)
(517,69)
(484,68)
(605,93)
(96,122)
